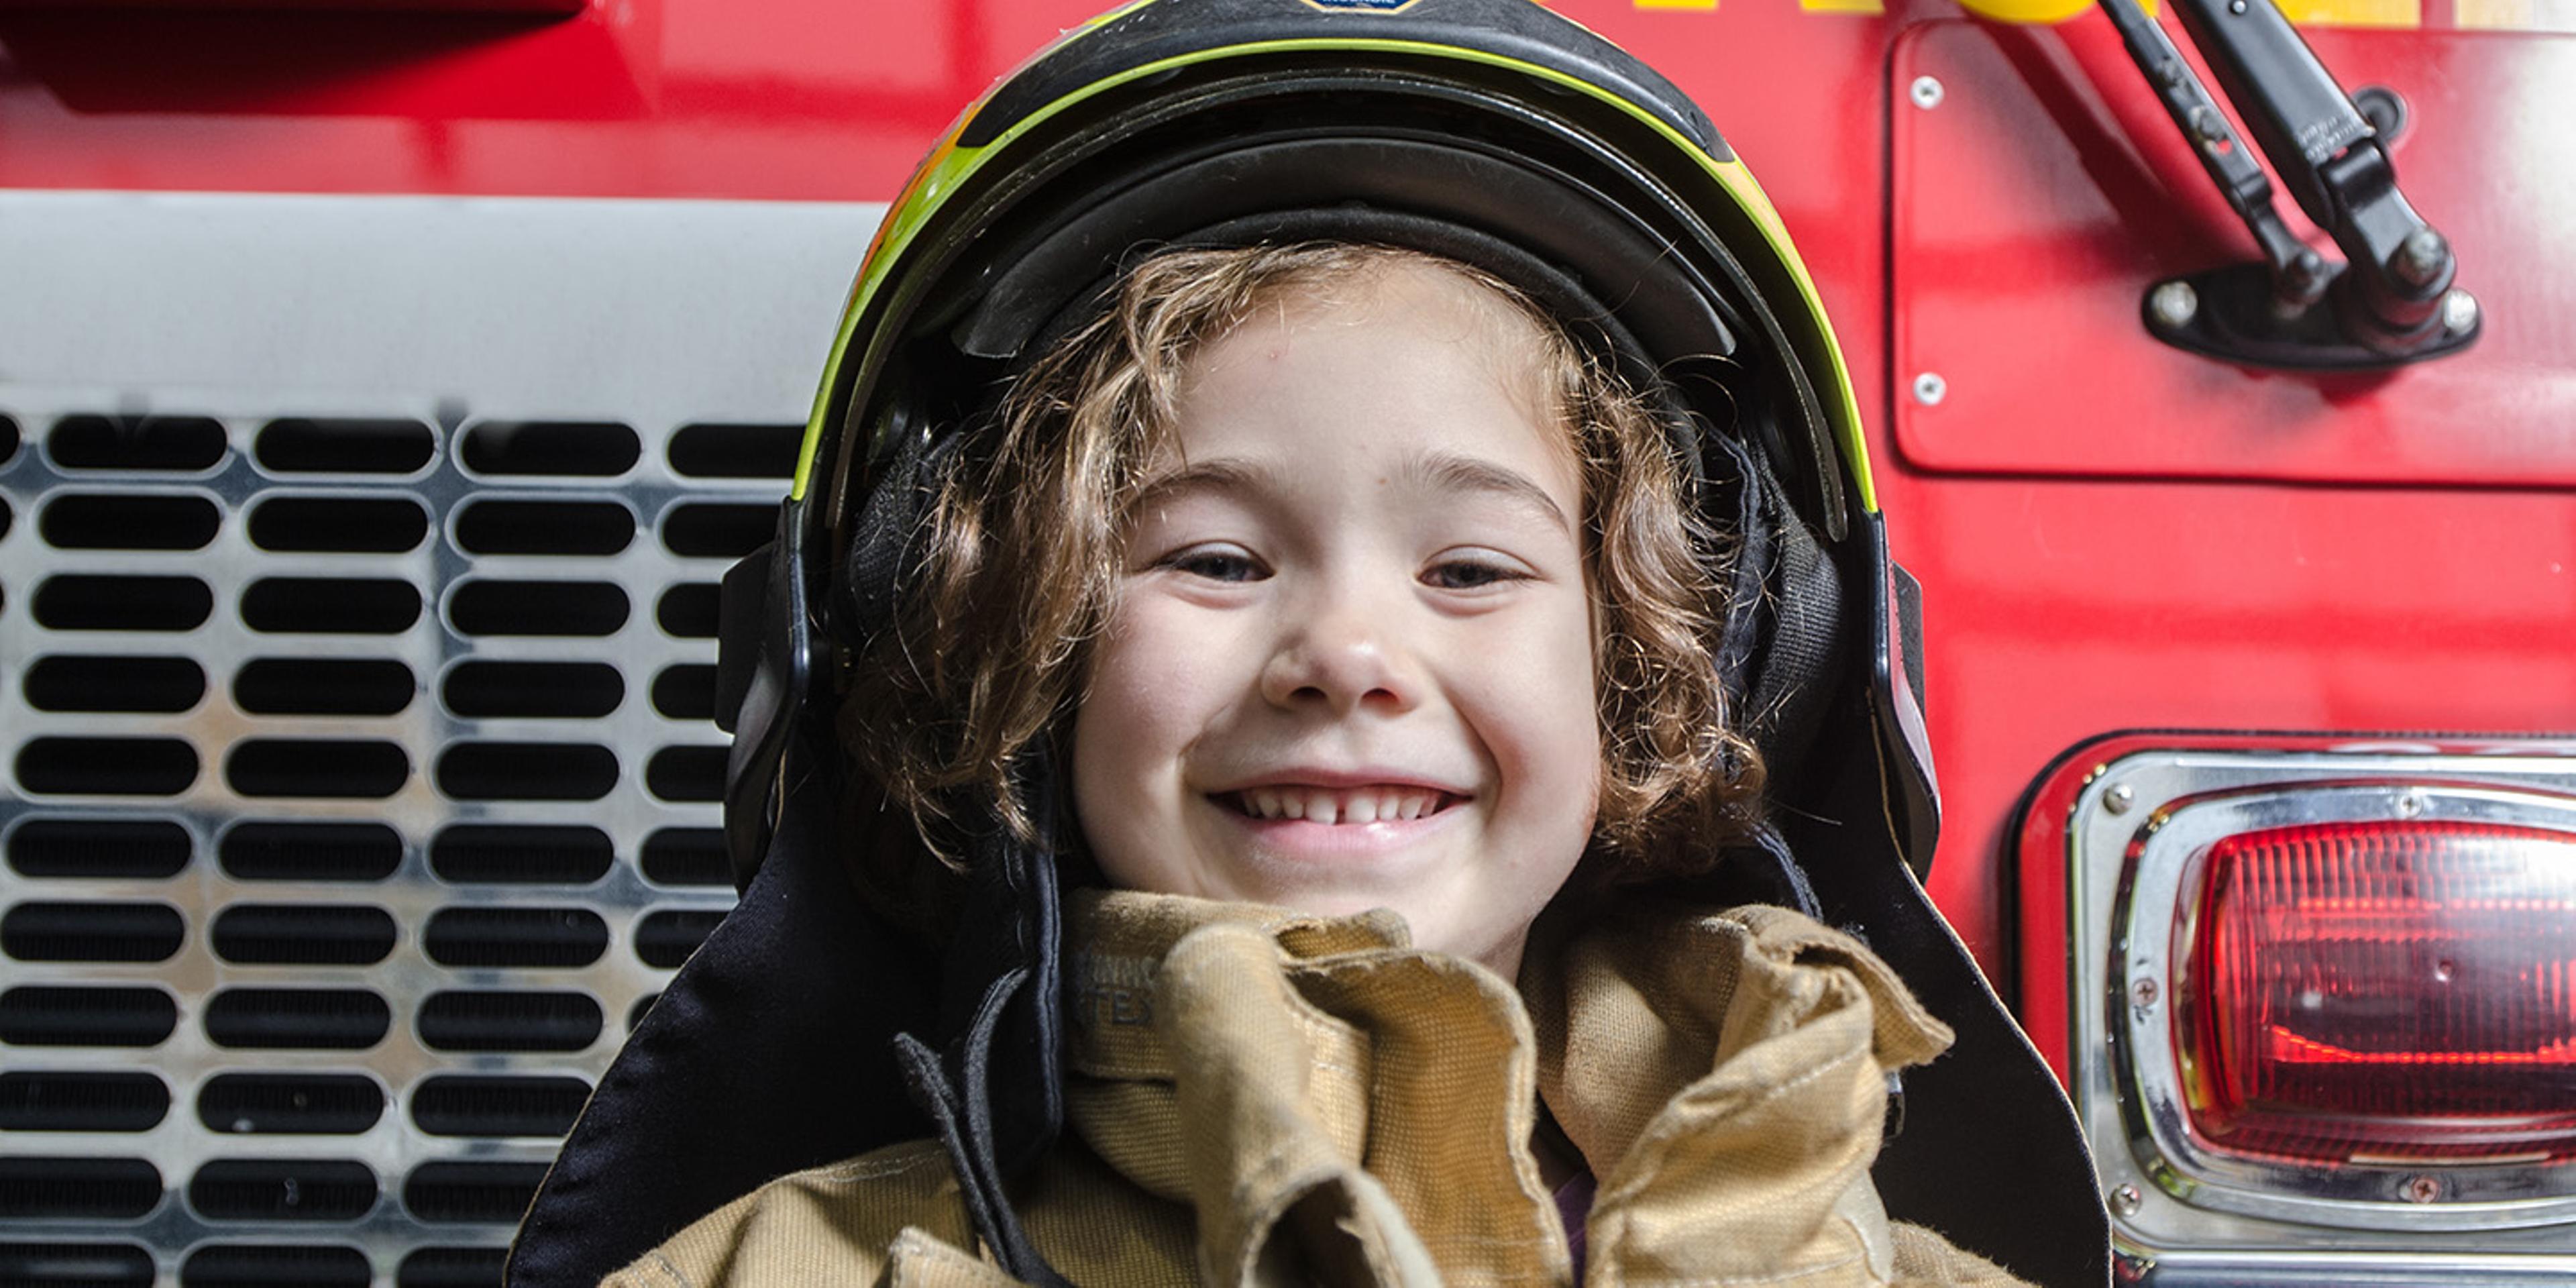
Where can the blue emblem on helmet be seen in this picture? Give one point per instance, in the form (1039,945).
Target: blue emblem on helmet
(1362,6)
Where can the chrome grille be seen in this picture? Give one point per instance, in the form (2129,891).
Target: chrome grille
(356,617)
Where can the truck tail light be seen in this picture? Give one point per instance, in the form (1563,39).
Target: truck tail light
(2318,1001)
(2381,993)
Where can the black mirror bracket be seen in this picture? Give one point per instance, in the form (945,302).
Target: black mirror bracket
(2391,302)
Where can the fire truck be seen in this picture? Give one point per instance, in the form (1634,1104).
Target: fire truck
(386,385)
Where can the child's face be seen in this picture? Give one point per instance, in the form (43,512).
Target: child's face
(1351,661)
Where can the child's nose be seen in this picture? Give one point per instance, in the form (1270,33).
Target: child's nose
(1343,662)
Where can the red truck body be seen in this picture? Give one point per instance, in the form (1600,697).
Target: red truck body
(2112,535)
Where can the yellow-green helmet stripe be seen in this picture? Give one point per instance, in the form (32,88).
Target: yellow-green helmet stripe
(950,166)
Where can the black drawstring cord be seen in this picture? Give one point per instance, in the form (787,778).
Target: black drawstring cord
(970,1142)
(1791,879)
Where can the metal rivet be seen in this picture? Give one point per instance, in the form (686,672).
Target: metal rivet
(2142,995)
(2459,309)
(1926,92)
(2125,1200)
(2175,304)
(1930,389)
(2422,257)
(2410,804)
(2422,1189)
(2119,798)
(2236,6)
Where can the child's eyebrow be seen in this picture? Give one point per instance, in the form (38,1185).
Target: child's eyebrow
(1450,472)
(1435,471)
(1217,475)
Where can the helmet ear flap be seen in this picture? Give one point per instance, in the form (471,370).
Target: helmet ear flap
(1784,648)
(884,545)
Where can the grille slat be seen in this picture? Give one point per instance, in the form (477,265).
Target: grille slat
(452,1268)
(184,444)
(143,521)
(690,610)
(92,932)
(324,686)
(330,606)
(43,1015)
(115,684)
(103,602)
(736,451)
(586,449)
(107,766)
(286,851)
(513,1021)
(383,626)
(488,1193)
(76,1265)
(538,937)
(525,527)
(534,690)
(527,771)
(303,1104)
(273,1189)
(322,768)
(255,934)
(687,856)
(111,1102)
(303,445)
(564,608)
(318,1019)
(267,1265)
(522,855)
(485,1106)
(99,848)
(82,1189)
(338,524)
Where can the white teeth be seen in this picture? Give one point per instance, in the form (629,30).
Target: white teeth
(1322,808)
(1356,805)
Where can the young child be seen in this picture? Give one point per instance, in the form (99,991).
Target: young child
(1365,611)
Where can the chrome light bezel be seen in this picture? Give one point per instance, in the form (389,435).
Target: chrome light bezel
(2137,838)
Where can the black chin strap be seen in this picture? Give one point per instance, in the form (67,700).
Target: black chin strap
(1002,987)
(965,1123)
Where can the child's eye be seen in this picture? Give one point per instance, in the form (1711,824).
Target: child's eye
(1217,563)
(1472,572)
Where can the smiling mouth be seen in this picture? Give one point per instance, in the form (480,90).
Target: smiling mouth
(1338,805)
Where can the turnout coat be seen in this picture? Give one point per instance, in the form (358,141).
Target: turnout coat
(1260,1097)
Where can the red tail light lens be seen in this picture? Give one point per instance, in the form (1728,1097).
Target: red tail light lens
(2382,992)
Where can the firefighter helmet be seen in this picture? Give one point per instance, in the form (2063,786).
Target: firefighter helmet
(1488,131)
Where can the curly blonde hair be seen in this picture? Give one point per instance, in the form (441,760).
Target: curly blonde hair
(1027,528)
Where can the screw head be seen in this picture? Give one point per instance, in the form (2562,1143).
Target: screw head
(2459,310)
(1930,389)
(2144,994)
(2119,798)
(1926,92)
(2422,257)
(2422,1189)
(2126,1200)
(2175,304)
(2410,804)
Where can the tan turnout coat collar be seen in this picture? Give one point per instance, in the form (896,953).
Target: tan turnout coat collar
(1289,1099)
